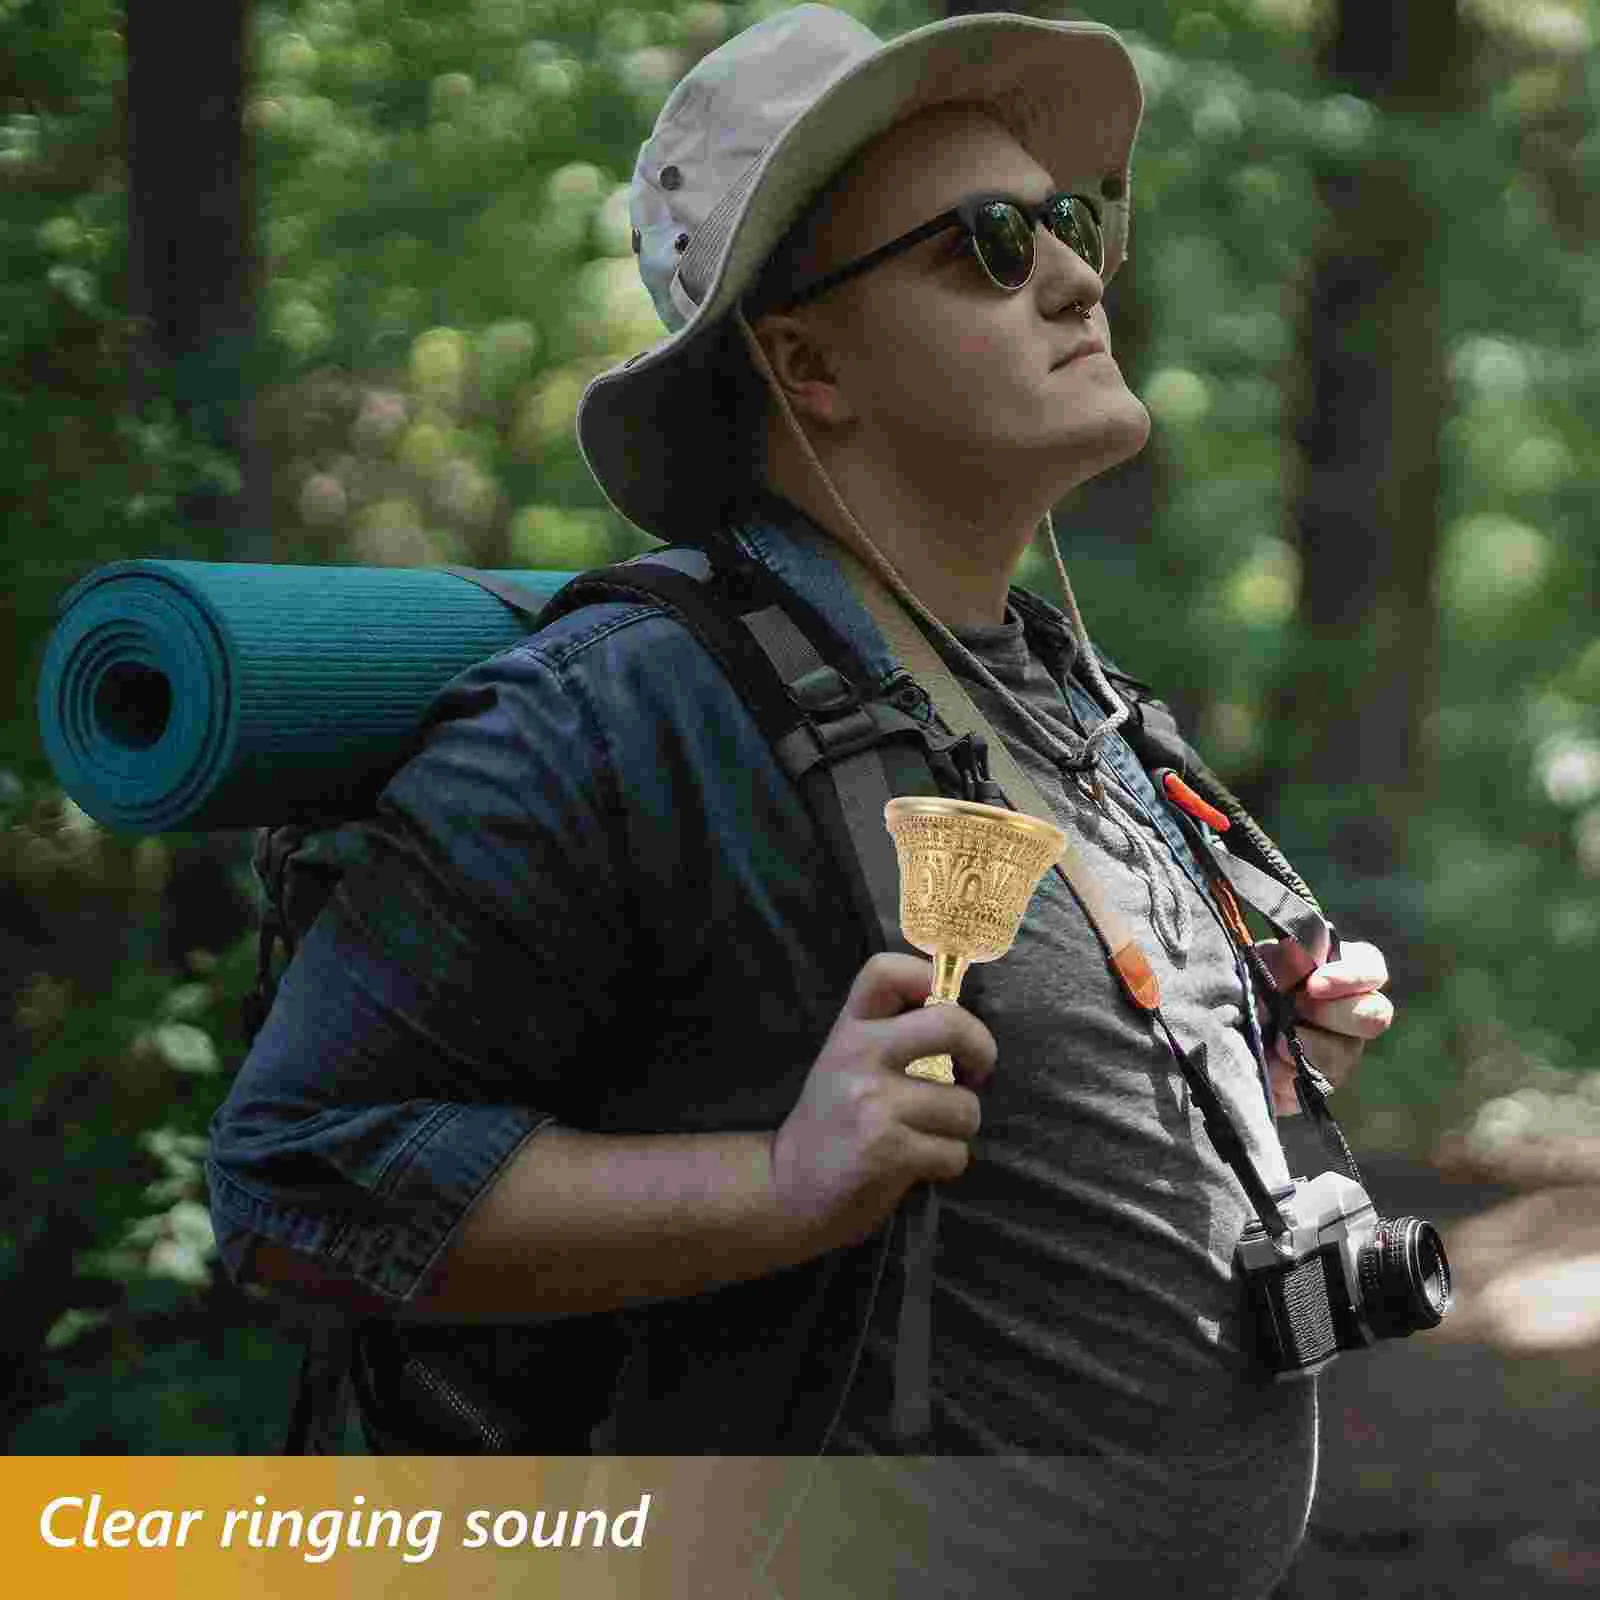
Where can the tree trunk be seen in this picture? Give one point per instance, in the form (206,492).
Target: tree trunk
(1353,707)
(191,243)
(192,279)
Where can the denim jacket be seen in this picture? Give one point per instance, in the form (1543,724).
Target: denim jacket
(592,898)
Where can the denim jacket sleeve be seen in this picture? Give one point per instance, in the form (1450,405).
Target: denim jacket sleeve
(433,1016)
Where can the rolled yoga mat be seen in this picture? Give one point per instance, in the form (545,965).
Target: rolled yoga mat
(197,695)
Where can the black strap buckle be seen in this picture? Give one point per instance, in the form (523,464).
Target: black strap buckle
(825,692)
(834,711)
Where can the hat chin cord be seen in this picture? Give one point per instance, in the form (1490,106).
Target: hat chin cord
(881,565)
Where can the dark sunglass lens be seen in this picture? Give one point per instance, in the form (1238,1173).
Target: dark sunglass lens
(1004,239)
(1076,226)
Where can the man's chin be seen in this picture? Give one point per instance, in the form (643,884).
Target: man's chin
(1138,429)
(1120,434)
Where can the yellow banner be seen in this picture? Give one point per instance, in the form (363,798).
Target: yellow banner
(103,1527)
(583,1528)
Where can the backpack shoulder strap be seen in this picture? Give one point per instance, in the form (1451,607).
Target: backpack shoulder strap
(849,749)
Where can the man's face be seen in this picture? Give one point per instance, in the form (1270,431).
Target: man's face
(946,372)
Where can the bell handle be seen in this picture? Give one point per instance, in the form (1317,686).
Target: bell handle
(948,971)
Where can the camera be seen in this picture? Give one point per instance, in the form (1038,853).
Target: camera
(1340,1278)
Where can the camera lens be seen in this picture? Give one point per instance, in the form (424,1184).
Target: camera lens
(1405,1277)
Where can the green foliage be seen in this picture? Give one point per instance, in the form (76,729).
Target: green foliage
(449,264)
(105,1236)
(225,1393)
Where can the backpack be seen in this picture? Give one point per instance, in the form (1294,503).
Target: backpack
(435,1391)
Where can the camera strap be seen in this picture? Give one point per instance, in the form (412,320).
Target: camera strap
(1290,914)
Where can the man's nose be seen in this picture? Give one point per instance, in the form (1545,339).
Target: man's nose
(1064,271)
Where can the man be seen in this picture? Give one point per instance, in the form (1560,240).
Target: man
(592,1033)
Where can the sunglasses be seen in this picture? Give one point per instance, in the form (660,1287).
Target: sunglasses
(1001,230)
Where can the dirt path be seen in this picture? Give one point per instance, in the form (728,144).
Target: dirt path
(1453,1466)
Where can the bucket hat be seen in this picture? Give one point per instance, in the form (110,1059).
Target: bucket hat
(756,129)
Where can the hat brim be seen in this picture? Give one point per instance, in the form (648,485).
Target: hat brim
(1069,94)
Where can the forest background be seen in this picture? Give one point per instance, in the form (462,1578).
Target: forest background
(321,281)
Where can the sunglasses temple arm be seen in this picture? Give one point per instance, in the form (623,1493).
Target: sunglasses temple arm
(906,241)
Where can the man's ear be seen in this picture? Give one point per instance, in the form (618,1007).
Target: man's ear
(803,358)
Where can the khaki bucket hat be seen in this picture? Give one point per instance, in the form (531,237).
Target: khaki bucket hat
(755,130)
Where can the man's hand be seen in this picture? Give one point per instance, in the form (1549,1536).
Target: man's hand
(1338,1005)
(862,1132)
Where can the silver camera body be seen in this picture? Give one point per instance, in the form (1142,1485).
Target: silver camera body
(1340,1278)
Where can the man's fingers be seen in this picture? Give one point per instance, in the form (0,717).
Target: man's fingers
(1337,1009)
(1360,967)
(1361,1016)
(945,1110)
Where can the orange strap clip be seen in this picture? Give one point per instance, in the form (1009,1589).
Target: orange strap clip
(1183,796)
(1133,967)
(1231,914)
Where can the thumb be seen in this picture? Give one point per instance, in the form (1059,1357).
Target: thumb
(1287,960)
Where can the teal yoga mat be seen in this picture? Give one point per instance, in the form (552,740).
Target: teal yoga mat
(198,695)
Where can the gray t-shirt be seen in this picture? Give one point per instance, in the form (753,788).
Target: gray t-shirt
(1086,1316)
